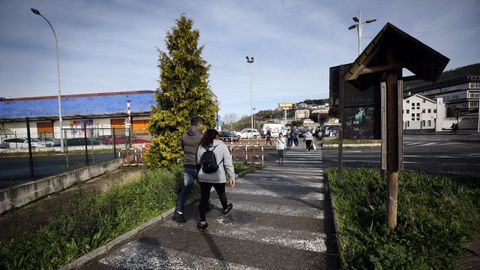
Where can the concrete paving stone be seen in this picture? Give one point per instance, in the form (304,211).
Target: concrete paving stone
(301,182)
(240,216)
(279,189)
(140,255)
(234,250)
(308,196)
(254,231)
(271,200)
(279,209)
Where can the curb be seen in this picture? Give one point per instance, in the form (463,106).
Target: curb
(113,243)
(353,145)
(335,223)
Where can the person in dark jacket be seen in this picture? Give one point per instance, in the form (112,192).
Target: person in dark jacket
(190,141)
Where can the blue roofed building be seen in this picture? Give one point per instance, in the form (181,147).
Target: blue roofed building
(101,111)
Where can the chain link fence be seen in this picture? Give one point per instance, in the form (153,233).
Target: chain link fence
(29,152)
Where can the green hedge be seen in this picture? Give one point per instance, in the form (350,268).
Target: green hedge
(436,216)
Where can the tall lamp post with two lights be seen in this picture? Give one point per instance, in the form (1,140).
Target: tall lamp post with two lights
(36,12)
(359,25)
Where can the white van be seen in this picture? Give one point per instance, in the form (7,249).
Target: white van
(274,128)
(248,133)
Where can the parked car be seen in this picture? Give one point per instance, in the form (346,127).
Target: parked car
(51,142)
(331,131)
(22,143)
(248,133)
(229,136)
(81,141)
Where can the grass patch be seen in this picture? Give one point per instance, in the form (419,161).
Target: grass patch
(87,222)
(436,216)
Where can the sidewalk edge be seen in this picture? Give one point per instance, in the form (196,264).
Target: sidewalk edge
(335,222)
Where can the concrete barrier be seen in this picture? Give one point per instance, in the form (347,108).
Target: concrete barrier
(18,196)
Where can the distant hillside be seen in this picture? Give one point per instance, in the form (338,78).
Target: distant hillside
(473,69)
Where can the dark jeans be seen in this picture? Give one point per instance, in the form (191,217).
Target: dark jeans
(205,189)
(280,155)
(309,144)
(189,176)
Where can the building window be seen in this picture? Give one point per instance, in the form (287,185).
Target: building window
(429,110)
(413,115)
(434,110)
(408,101)
(475,85)
(407,124)
(408,111)
(423,100)
(418,105)
(429,122)
(423,111)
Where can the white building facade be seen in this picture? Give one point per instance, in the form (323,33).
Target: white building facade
(420,113)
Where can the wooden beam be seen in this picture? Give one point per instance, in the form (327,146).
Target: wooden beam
(377,69)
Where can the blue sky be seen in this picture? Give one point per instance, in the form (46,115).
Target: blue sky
(111,45)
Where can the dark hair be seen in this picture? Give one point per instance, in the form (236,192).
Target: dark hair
(208,138)
(196,121)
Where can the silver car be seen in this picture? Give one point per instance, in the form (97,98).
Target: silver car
(22,143)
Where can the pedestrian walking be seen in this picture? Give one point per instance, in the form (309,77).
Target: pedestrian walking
(190,141)
(216,167)
(308,138)
(289,138)
(268,137)
(293,137)
(280,145)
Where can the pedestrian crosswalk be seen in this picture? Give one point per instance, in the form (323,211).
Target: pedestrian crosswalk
(277,222)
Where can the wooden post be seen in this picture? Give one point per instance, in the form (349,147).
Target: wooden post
(340,117)
(393,146)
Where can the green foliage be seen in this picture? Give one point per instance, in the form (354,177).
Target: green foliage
(88,222)
(184,93)
(436,215)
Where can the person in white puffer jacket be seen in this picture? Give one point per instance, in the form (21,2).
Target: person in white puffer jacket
(215,179)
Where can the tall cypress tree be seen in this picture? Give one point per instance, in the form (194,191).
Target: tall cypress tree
(183,94)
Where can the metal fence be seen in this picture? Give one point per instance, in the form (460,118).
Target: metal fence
(28,152)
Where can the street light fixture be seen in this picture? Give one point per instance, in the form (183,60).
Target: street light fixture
(36,12)
(359,25)
(250,60)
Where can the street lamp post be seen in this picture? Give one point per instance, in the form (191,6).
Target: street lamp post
(250,60)
(359,25)
(36,12)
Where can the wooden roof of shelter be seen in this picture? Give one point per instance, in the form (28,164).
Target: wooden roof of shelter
(393,49)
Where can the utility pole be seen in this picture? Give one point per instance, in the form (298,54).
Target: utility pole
(250,60)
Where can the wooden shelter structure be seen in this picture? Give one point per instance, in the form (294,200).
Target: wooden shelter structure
(382,62)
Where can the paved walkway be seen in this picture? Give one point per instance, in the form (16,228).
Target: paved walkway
(277,222)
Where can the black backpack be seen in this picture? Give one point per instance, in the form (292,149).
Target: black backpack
(208,161)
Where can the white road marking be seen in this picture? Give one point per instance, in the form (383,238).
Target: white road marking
(137,255)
